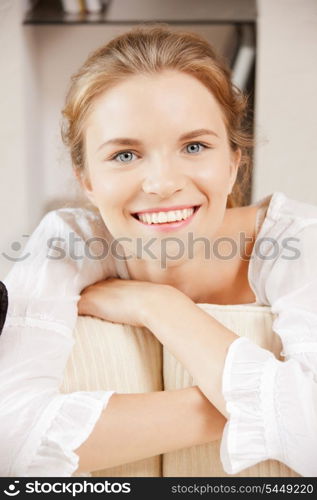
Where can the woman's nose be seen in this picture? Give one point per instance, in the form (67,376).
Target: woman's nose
(163,180)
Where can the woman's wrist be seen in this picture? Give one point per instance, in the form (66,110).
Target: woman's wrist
(159,301)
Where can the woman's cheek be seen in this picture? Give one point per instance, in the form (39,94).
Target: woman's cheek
(105,186)
(212,172)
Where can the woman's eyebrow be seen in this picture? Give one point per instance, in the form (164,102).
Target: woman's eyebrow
(126,141)
(196,133)
(121,141)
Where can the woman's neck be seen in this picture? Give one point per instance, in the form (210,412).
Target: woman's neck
(217,280)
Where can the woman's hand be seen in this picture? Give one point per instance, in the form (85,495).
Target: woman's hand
(120,301)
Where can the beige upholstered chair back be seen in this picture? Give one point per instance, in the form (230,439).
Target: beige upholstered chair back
(129,359)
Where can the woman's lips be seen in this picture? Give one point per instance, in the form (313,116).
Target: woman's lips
(169,226)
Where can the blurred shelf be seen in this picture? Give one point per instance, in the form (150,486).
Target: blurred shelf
(137,12)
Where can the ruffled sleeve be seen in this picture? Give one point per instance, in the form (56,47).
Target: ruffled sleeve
(67,422)
(272,404)
(39,427)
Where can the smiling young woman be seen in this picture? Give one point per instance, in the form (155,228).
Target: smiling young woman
(155,130)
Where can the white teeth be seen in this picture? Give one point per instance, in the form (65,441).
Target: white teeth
(147,218)
(161,217)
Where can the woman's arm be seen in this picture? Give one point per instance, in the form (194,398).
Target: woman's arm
(137,426)
(195,338)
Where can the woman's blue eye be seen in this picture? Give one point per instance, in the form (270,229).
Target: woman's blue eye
(195,147)
(127,156)
(124,157)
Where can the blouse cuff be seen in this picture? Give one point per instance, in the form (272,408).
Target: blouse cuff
(59,312)
(64,426)
(250,435)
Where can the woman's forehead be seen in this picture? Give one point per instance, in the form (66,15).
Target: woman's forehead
(144,101)
(163,85)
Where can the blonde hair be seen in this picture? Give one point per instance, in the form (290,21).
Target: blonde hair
(149,50)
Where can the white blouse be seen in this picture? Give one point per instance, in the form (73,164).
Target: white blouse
(272,405)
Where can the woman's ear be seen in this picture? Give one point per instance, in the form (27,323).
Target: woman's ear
(234,167)
(83,179)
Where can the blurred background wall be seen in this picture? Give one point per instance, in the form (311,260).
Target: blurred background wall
(286,102)
(37,61)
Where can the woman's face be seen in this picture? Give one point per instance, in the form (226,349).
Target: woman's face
(154,142)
